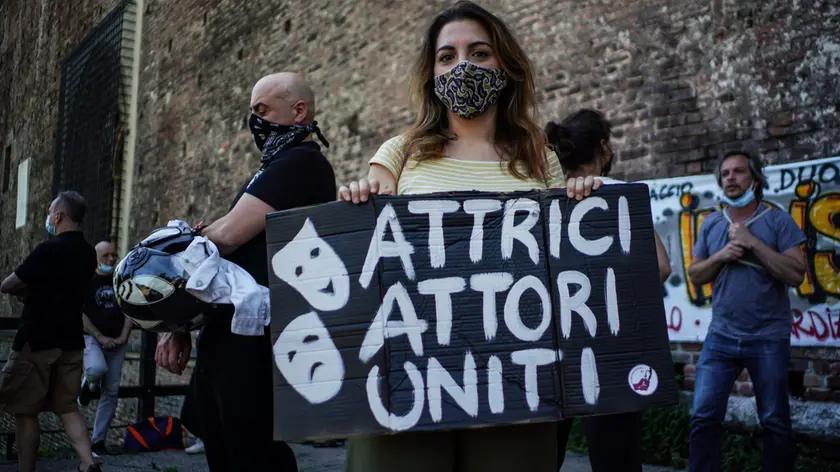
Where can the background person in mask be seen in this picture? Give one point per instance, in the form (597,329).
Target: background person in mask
(463,140)
(44,371)
(105,344)
(751,251)
(582,143)
(233,381)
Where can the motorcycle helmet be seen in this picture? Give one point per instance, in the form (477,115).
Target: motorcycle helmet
(150,284)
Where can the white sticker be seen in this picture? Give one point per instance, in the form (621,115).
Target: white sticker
(643,380)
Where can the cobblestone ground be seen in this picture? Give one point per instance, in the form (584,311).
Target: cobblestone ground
(310,459)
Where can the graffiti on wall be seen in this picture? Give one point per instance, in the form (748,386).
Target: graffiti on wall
(810,192)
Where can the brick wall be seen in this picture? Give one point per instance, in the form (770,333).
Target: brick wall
(35,36)
(681,80)
(814,373)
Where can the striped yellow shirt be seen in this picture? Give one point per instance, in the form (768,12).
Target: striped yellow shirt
(448,174)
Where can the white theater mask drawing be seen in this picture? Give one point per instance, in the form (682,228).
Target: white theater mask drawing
(309,360)
(304,352)
(314,269)
(810,192)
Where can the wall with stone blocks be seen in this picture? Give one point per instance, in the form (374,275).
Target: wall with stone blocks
(35,36)
(681,80)
(814,373)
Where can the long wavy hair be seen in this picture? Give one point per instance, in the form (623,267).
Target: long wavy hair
(518,138)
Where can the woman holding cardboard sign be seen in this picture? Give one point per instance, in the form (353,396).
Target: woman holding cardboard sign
(475,130)
(582,143)
(473,86)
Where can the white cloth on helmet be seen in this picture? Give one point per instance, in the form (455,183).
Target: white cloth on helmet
(216,280)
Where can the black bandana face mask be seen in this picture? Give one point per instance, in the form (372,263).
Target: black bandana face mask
(272,138)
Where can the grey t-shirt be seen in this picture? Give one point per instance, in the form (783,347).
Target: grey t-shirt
(747,302)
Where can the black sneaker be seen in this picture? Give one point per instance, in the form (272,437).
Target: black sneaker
(99,449)
(86,395)
(93,468)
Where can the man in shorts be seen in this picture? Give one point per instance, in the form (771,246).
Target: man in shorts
(44,370)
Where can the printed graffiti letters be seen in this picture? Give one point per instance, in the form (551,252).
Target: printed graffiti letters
(819,326)
(818,215)
(690,221)
(827,174)
(824,216)
(670,190)
(675,319)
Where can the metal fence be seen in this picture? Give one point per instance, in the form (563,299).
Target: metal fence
(90,124)
(145,393)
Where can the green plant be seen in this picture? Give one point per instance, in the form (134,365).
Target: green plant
(665,434)
(665,442)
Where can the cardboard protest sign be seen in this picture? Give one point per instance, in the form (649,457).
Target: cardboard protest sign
(466,309)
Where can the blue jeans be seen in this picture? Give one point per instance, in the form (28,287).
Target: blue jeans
(720,363)
(103,368)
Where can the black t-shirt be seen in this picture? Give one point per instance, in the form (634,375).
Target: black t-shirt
(101,306)
(300,176)
(57,273)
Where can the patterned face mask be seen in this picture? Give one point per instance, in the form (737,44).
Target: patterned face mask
(469,90)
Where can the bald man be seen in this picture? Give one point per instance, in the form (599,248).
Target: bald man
(233,378)
(106,338)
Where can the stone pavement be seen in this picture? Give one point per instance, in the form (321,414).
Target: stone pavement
(310,459)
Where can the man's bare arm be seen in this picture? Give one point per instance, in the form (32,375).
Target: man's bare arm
(126,331)
(703,271)
(662,259)
(89,327)
(788,267)
(13,285)
(240,225)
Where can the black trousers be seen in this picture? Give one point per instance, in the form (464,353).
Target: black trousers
(614,441)
(233,394)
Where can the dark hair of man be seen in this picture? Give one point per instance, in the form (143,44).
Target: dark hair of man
(755,170)
(74,204)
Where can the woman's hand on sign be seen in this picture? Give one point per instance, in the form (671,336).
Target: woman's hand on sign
(379,181)
(358,192)
(173,352)
(581,187)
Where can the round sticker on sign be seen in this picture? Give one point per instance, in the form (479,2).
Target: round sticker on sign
(643,379)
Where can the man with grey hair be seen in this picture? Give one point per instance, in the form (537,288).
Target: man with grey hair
(44,371)
(234,368)
(751,251)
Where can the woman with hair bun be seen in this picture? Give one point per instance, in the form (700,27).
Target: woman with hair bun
(582,144)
